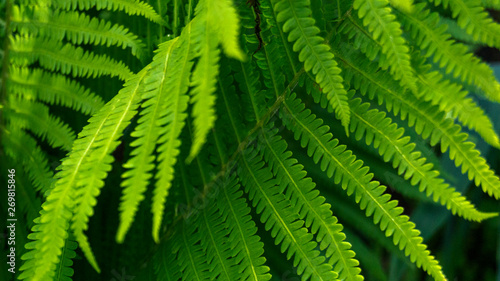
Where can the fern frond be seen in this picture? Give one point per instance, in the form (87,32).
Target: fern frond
(64,272)
(279,217)
(101,135)
(131,7)
(190,254)
(342,165)
(316,56)
(146,133)
(226,23)
(278,48)
(472,18)
(375,128)
(35,116)
(173,118)
(245,243)
(66,58)
(73,26)
(215,245)
(23,148)
(428,120)
(78,183)
(451,98)
(386,30)
(166,264)
(204,82)
(36,84)
(310,206)
(454,57)
(352,28)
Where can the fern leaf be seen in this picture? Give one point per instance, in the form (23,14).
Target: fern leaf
(76,27)
(213,242)
(166,95)
(146,133)
(107,125)
(35,116)
(131,7)
(191,255)
(278,48)
(23,148)
(454,57)
(174,107)
(316,56)
(79,172)
(310,206)
(204,84)
(226,23)
(450,97)
(166,264)
(428,120)
(472,18)
(389,140)
(242,233)
(378,17)
(352,28)
(342,165)
(279,217)
(55,89)
(64,272)
(67,59)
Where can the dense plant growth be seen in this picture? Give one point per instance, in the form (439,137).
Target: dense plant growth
(218,129)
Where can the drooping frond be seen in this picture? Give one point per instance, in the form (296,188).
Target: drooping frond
(316,56)
(204,81)
(342,165)
(174,114)
(225,22)
(78,183)
(76,27)
(216,23)
(147,132)
(386,30)
(66,58)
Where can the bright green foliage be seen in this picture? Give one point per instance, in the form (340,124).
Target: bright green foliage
(216,23)
(454,57)
(208,117)
(472,17)
(315,55)
(342,165)
(380,21)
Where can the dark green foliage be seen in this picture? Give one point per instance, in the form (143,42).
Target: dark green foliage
(248,141)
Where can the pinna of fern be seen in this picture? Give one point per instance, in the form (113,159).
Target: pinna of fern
(206,103)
